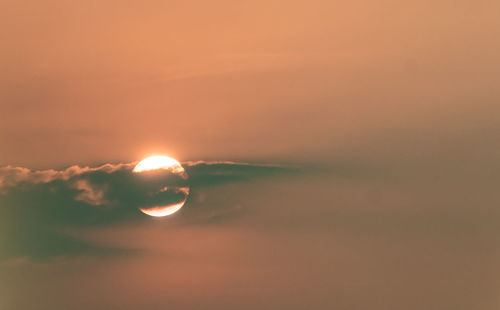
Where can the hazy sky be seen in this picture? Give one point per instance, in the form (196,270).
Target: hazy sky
(381,117)
(107,80)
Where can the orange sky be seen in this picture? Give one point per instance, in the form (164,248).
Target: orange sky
(91,81)
(391,106)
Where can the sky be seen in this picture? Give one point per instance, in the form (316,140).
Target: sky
(340,154)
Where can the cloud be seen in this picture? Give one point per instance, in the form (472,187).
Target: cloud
(39,206)
(89,193)
(11,176)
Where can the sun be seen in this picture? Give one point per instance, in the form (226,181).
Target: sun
(159,162)
(160,211)
(162,164)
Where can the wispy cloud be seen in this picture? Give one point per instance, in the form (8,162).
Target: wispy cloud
(11,176)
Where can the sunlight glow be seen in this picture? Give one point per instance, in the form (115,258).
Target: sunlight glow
(163,210)
(159,162)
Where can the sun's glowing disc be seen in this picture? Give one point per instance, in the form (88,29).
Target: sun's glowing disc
(159,211)
(159,162)
(164,170)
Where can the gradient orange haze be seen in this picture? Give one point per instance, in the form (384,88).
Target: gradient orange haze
(115,80)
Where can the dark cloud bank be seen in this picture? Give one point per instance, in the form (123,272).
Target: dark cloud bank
(38,207)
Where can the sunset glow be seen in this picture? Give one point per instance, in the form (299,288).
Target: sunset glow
(159,162)
(163,210)
(249,155)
